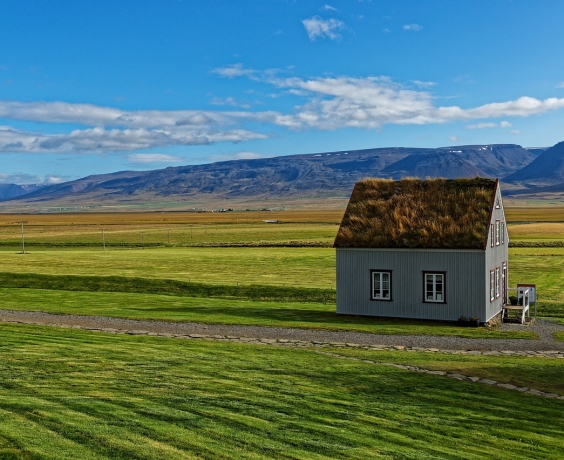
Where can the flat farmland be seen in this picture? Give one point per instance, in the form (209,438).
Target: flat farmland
(538,213)
(294,284)
(306,267)
(69,393)
(537,232)
(176,229)
(77,394)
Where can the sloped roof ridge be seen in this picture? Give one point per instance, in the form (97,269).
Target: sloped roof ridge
(416,213)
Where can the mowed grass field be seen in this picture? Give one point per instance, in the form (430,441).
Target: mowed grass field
(67,394)
(273,286)
(76,394)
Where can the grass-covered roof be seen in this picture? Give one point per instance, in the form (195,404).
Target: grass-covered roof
(415,213)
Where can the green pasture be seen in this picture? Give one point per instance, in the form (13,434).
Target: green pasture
(539,373)
(306,267)
(545,268)
(228,311)
(76,394)
(312,269)
(150,234)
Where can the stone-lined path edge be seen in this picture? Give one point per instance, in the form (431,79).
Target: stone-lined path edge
(66,321)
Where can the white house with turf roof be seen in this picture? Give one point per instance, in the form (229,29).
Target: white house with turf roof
(428,249)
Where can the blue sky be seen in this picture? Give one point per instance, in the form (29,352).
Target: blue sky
(96,87)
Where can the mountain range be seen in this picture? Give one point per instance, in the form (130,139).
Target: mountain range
(306,176)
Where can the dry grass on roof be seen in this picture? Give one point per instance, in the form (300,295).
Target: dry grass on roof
(415,213)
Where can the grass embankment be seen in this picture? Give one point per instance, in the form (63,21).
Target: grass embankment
(228,311)
(287,278)
(75,394)
(296,267)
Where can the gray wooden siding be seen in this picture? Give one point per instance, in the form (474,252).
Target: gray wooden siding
(494,259)
(465,287)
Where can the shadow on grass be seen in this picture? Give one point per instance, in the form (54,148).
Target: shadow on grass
(164,286)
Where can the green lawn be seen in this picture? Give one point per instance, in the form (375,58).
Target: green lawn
(228,311)
(539,373)
(545,268)
(75,394)
(299,267)
(307,267)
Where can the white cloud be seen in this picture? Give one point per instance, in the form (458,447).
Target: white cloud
(93,115)
(53,179)
(152,158)
(453,138)
(424,84)
(97,140)
(413,27)
(317,27)
(237,156)
(369,103)
(560,85)
(24,179)
(232,71)
(229,101)
(515,131)
(327,7)
(503,124)
(326,103)
(482,126)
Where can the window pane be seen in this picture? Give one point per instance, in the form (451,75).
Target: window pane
(439,296)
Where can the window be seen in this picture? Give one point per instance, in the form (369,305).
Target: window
(503,233)
(497,283)
(434,287)
(497,203)
(497,232)
(381,285)
(492,285)
(492,235)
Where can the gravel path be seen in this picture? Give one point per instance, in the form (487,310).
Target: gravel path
(544,329)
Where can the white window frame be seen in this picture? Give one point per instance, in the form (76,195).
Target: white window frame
(503,233)
(492,236)
(492,285)
(497,283)
(377,277)
(497,232)
(434,295)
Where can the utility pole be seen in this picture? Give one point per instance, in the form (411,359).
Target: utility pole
(23,238)
(103,239)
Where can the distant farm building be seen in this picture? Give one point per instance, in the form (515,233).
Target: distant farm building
(428,249)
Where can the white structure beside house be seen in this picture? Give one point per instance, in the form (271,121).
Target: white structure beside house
(429,249)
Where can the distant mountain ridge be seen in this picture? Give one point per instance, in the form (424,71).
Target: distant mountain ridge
(320,175)
(546,169)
